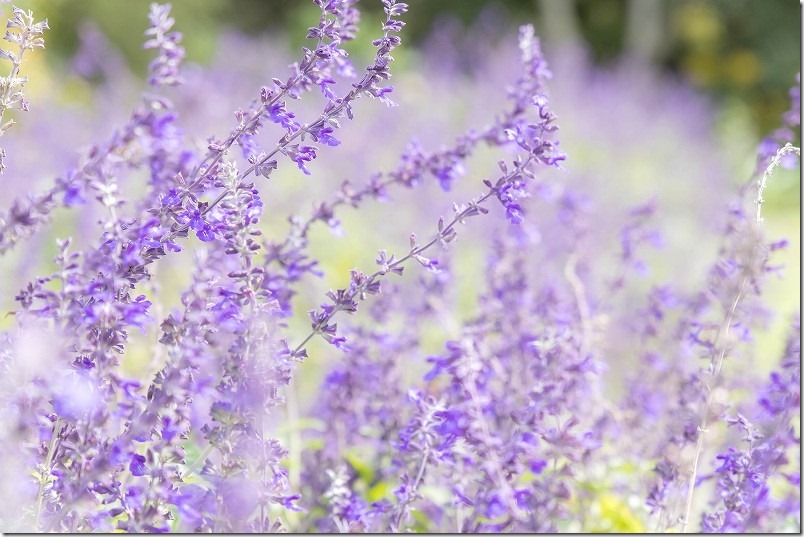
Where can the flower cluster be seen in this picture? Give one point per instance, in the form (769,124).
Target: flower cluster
(162,375)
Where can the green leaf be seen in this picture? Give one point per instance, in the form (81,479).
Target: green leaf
(363,469)
(379,491)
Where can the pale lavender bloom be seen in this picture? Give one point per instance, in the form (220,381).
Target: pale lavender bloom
(164,69)
(24,34)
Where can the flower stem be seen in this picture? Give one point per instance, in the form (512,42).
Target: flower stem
(198,462)
(46,468)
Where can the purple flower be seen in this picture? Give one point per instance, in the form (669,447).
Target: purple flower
(171,198)
(301,156)
(325,137)
(137,465)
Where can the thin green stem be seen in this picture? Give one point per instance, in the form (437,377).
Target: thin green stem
(702,428)
(294,437)
(403,508)
(44,476)
(198,462)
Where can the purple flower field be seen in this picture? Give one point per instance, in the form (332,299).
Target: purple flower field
(480,285)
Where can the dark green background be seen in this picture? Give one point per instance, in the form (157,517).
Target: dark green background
(751,55)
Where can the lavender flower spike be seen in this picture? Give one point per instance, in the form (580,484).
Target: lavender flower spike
(164,69)
(24,34)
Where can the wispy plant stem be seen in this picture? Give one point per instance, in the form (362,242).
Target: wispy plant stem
(713,380)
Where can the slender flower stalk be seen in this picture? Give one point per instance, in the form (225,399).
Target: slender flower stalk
(744,500)
(361,285)
(712,384)
(24,34)
(787,149)
(538,149)
(320,130)
(719,345)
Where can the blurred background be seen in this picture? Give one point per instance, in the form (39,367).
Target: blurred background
(743,49)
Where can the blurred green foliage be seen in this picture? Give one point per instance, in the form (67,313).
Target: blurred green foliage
(748,49)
